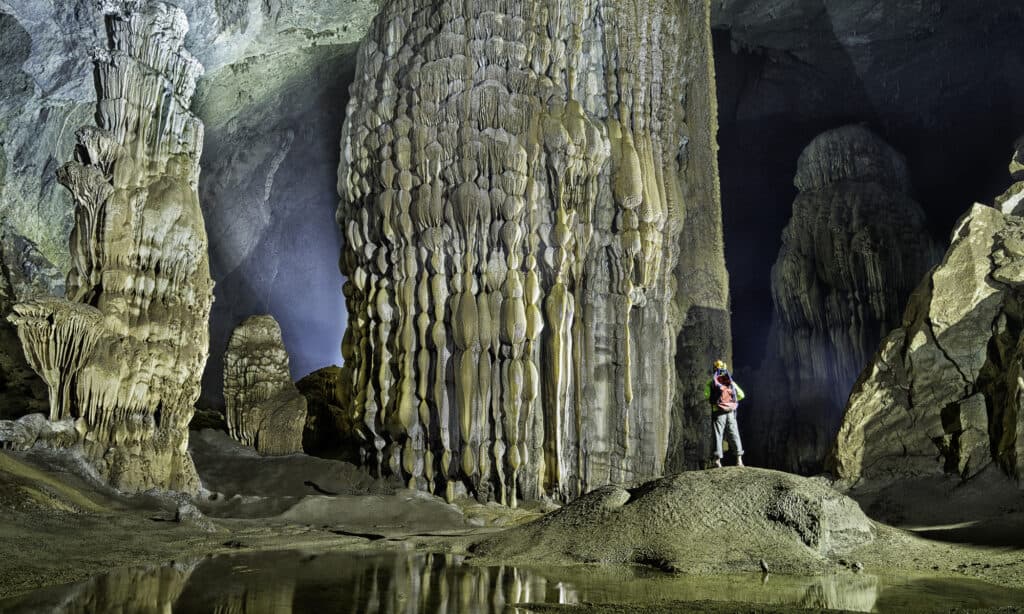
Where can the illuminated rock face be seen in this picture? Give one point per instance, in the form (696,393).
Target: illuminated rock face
(264,408)
(515,178)
(123,353)
(945,393)
(854,249)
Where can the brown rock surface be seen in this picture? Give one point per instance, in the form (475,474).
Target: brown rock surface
(696,522)
(123,353)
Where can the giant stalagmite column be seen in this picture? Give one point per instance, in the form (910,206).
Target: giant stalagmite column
(854,249)
(515,177)
(124,352)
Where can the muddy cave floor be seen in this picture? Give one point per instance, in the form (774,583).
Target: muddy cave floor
(58,527)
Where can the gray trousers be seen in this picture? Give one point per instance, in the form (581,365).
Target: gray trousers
(725,423)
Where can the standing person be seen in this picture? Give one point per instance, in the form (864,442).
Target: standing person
(724,395)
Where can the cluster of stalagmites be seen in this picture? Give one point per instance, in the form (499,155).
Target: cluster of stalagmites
(945,392)
(853,251)
(264,408)
(123,352)
(511,202)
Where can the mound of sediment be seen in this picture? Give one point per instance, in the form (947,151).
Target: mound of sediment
(701,522)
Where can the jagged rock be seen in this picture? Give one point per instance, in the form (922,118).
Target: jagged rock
(944,393)
(35,430)
(123,353)
(695,522)
(330,429)
(512,201)
(854,249)
(264,408)
(1012,201)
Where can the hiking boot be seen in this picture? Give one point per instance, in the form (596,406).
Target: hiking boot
(718,463)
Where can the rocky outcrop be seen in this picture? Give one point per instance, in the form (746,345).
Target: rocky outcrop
(513,193)
(264,409)
(686,523)
(330,430)
(122,354)
(944,393)
(789,69)
(854,249)
(1012,201)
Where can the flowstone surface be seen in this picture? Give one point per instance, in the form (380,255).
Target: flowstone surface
(530,206)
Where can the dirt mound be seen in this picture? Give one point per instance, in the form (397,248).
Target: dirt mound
(699,522)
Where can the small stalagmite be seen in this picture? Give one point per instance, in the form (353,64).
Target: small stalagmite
(264,408)
(122,354)
(514,182)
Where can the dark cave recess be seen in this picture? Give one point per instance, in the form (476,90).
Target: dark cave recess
(944,91)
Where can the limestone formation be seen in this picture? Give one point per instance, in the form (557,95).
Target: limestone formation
(264,408)
(854,249)
(945,393)
(123,353)
(24,272)
(514,179)
(272,100)
(695,522)
(330,430)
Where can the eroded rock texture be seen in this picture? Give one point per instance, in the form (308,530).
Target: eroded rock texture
(790,69)
(514,179)
(695,522)
(122,354)
(944,393)
(854,249)
(264,409)
(1012,201)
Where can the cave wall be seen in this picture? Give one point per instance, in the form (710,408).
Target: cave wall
(272,99)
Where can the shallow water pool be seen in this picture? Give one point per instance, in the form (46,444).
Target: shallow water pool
(393,582)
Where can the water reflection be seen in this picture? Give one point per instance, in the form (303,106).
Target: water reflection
(413,583)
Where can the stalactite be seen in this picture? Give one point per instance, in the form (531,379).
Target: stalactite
(508,179)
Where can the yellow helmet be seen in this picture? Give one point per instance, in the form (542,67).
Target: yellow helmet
(720,365)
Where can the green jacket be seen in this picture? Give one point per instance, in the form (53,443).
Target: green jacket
(707,391)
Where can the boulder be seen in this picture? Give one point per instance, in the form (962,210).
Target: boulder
(331,426)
